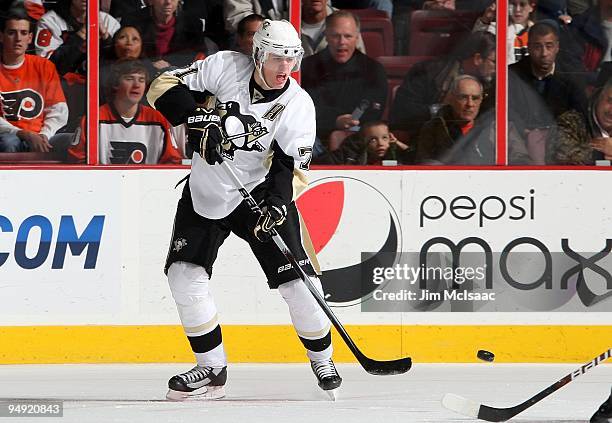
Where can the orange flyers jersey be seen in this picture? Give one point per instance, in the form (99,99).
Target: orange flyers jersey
(146,139)
(520,44)
(27,90)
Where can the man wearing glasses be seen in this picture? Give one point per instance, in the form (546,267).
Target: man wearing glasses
(459,134)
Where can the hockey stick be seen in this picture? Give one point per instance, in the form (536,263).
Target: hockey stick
(491,414)
(374,367)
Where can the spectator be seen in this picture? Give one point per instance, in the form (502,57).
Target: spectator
(61,37)
(170,37)
(236,10)
(340,79)
(62,32)
(130,133)
(34,9)
(455,125)
(381,144)
(425,86)
(33,104)
(539,91)
(487,21)
(520,21)
(370,146)
(588,40)
(314,13)
(246,29)
(461,135)
(127,44)
(581,139)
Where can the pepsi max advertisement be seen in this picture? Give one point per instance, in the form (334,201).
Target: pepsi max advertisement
(452,252)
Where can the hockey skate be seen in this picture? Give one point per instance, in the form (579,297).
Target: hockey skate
(604,414)
(199,383)
(327,376)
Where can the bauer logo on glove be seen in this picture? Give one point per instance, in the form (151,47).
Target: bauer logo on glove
(205,134)
(203,118)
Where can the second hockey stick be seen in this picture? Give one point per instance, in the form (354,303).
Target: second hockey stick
(492,414)
(371,366)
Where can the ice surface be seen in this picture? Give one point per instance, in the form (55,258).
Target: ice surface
(270,393)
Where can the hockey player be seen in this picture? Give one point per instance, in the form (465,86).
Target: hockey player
(263,126)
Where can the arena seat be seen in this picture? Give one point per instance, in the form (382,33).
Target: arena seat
(396,68)
(376,31)
(377,35)
(368,13)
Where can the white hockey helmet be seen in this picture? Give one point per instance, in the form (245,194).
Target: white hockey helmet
(279,38)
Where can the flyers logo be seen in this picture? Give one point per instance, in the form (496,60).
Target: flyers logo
(22,104)
(123,152)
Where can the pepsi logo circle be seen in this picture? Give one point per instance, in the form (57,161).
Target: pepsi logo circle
(347,217)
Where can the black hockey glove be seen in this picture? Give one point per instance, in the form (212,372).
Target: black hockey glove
(272,215)
(205,134)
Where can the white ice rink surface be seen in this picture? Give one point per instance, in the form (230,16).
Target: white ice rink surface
(288,393)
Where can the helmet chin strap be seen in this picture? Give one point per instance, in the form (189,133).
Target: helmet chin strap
(261,78)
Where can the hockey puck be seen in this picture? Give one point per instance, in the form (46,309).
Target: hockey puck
(485,355)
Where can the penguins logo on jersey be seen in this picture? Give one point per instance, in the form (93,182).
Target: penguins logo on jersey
(179,244)
(241,132)
(123,152)
(22,104)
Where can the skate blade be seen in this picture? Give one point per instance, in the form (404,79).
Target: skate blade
(333,394)
(202,394)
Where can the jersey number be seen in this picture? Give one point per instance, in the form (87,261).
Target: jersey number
(44,38)
(305,151)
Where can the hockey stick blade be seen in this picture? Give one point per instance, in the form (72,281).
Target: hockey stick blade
(371,366)
(475,410)
(393,367)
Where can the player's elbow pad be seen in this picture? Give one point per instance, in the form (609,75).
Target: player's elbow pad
(175,104)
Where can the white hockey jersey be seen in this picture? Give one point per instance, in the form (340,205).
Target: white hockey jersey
(51,27)
(250,125)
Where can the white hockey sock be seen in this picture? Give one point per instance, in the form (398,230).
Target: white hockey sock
(197,311)
(326,354)
(213,358)
(309,320)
